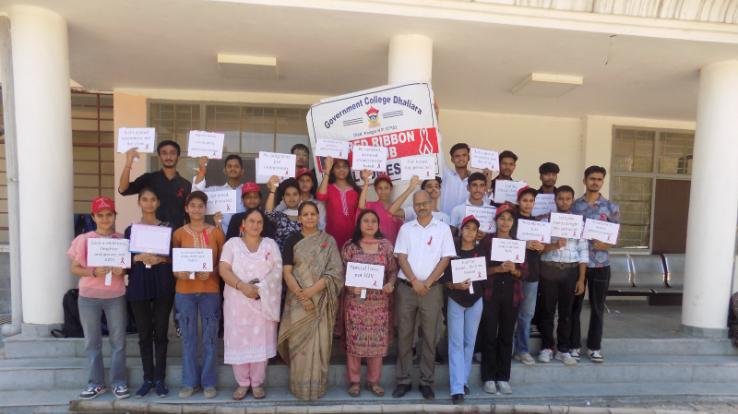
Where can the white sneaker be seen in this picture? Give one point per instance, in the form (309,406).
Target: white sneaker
(596,356)
(489,387)
(525,358)
(576,354)
(504,387)
(566,358)
(545,356)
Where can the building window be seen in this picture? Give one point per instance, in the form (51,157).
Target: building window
(639,158)
(248,129)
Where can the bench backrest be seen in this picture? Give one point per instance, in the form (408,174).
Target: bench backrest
(674,270)
(648,271)
(620,271)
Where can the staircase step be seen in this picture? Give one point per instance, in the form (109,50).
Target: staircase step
(56,373)
(20,346)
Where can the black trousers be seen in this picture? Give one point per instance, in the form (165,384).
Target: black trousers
(152,321)
(575,339)
(497,329)
(598,282)
(557,291)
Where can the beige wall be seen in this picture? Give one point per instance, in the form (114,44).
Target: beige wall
(128,111)
(535,139)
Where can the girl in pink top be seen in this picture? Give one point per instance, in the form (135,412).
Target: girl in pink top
(101,289)
(389,225)
(340,194)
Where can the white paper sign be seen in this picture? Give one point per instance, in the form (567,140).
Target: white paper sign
(105,252)
(473,269)
(544,204)
(566,226)
(603,231)
(485,215)
(150,239)
(504,250)
(335,148)
(507,190)
(225,201)
(365,276)
(205,144)
(143,139)
(260,178)
(482,158)
(531,230)
(369,158)
(424,166)
(192,260)
(275,163)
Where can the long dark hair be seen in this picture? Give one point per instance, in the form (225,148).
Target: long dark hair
(357,230)
(257,210)
(349,177)
(283,186)
(199,195)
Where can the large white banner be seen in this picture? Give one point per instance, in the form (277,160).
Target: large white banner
(399,117)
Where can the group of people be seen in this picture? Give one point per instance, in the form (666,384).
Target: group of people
(279,283)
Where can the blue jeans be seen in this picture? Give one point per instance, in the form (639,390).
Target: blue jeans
(462,333)
(208,307)
(525,314)
(116,314)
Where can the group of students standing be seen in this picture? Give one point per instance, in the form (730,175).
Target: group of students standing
(278,286)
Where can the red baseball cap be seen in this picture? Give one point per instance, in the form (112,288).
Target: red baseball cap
(467,219)
(250,187)
(301,171)
(520,191)
(102,203)
(503,208)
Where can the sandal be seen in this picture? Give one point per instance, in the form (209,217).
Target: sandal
(354,390)
(258,392)
(376,389)
(240,393)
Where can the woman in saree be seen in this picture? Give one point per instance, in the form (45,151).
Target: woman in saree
(313,273)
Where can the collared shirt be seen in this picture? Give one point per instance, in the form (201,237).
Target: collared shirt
(459,212)
(605,210)
(438,215)
(575,250)
(201,186)
(172,195)
(454,190)
(542,191)
(424,246)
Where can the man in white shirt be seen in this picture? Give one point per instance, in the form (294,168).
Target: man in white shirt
(455,180)
(423,249)
(477,187)
(233,171)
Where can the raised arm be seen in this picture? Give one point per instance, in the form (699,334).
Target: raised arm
(365,175)
(272,184)
(396,206)
(125,175)
(322,192)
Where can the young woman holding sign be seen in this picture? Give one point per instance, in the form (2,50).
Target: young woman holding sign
(389,223)
(101,289)
(313,272)
(340,194)
(150,292)
(251,267)
(367,320)
(285,222)
(502,295)
(198,297)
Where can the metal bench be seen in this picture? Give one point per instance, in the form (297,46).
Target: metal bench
(674,270)
(649,274)
(621,275)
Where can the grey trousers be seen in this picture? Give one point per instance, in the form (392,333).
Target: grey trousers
(90,314)
(427,309)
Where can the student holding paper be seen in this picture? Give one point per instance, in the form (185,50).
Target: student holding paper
(250,198)
(367,320)
(464,311)
(313,273)
(502,295)
(389,224)
(477,190)
(526,199)
(508,161)
(455,188)
(150,292)
(592,205)
(251,267)
(285,222)
(233,171)
(563,266)
(101,290)
(198,300)
(308,186)
(340,194)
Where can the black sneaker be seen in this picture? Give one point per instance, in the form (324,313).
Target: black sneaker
(467,391)
(92,391)
(145,388)
(161,388)
(121,392)
(457,398)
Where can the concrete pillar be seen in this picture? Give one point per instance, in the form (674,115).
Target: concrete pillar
(44,131)
(713,203)
(410,59)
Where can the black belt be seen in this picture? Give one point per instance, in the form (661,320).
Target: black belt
(561,265)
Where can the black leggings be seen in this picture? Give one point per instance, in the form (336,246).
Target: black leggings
(152,321)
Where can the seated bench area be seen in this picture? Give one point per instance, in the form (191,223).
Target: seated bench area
(659,277)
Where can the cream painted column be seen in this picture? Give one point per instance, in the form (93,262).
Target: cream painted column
(410,59)
(713,203)
(44,133)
